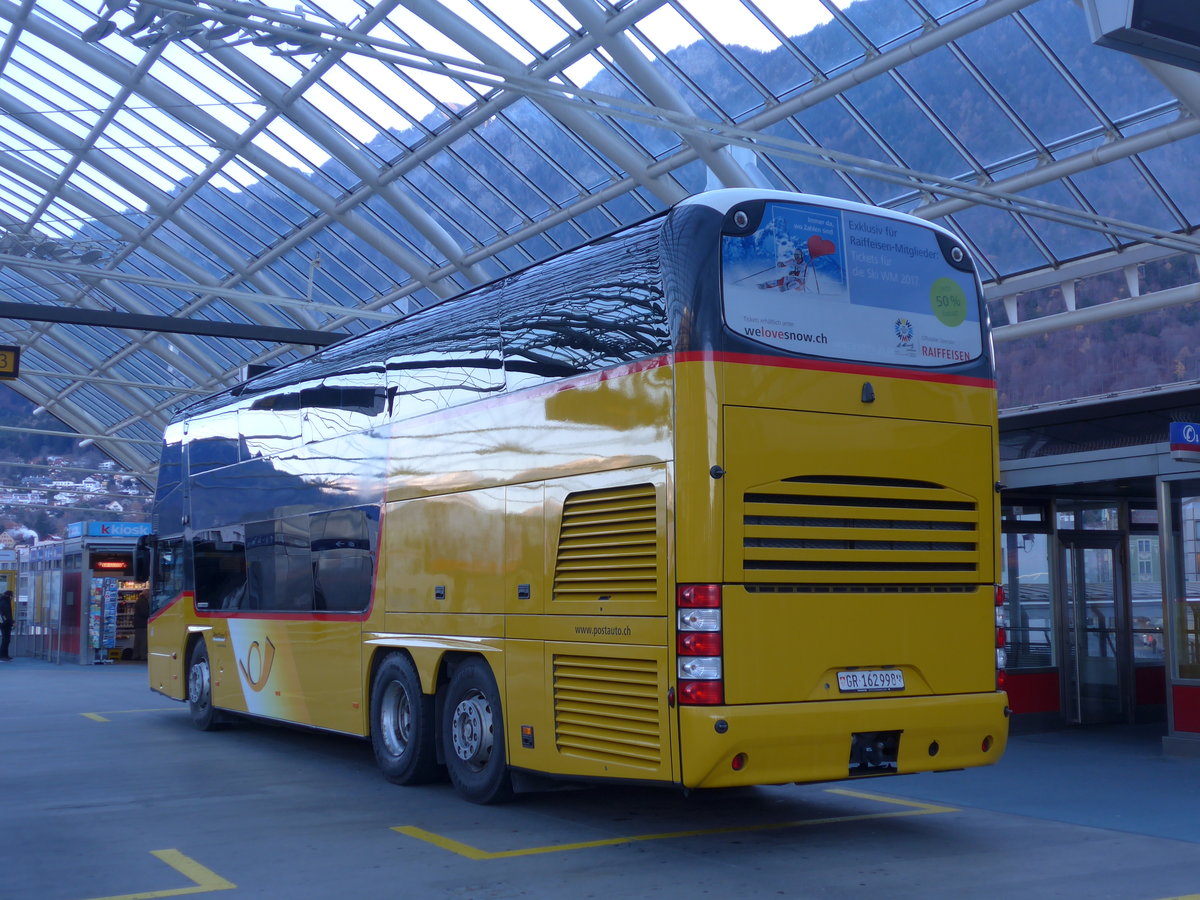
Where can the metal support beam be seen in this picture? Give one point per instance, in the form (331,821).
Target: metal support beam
(1115,309)
(92,274)
(136,322)
(72,434)
(67,375)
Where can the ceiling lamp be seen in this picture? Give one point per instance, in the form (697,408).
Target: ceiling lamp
(34,246)
(206,27)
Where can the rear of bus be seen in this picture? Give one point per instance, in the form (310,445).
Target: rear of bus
(836,499)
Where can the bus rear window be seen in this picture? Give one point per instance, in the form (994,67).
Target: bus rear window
(845,284)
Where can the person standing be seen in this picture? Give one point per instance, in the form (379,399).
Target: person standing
(6,624)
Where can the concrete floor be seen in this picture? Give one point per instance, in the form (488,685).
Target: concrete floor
(106,791)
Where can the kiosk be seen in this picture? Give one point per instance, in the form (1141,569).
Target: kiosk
(99,594)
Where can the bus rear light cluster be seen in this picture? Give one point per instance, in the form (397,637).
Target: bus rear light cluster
(1001,638)
(699,651)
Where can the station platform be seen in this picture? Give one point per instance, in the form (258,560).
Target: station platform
(1100,776)
(100,768)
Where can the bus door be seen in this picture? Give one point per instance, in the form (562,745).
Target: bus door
(1098,668)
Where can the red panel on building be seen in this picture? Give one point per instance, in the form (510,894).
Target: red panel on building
(72,590)
(1185,701)
(1033,692)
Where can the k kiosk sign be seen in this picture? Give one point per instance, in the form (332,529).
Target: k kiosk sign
(107,529)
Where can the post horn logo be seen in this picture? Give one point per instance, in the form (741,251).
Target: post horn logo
(256,667)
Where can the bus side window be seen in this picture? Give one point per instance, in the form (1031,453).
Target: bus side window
(602,306)
(343,561)
(219,562)
(167,576)
(278,565)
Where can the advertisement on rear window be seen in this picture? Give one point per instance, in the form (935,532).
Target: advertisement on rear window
(849,285)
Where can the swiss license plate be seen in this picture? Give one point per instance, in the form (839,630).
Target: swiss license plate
(871,680)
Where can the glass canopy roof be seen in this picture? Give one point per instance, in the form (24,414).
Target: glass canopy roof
(320,168)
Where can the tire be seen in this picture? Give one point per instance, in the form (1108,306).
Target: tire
(199,688)
(473,735)
(402,724)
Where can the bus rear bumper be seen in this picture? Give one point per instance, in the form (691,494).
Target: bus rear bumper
(777,743)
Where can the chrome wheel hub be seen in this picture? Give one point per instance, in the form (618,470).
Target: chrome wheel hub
(198,688)
(471,730)
(396,718)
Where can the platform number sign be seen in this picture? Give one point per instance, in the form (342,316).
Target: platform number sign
(10,361)
(1185,441)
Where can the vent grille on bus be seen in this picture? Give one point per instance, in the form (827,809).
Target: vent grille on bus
(608,709)
(861,529)
(608,547)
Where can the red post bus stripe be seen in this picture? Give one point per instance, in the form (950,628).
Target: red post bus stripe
(303,615)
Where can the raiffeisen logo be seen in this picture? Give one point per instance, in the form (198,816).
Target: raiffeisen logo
(256,667)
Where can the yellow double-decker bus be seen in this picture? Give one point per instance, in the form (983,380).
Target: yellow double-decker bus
(711,501)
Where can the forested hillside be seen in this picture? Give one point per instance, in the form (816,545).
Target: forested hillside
(1152,348)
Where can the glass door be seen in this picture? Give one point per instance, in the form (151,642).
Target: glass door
(1097,663)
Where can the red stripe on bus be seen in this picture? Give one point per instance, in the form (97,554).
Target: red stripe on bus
(305,615)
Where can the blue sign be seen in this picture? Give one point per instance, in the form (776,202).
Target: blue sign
(108,529)
(1185,441)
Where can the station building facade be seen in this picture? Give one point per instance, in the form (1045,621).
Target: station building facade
(1101,562)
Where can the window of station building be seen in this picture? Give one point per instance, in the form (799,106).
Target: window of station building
(1183,579)
(1025,574)
(1030,515)
(1088,516)
(1143,518)
(1146,613)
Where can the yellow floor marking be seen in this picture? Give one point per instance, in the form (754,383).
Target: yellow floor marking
(100,717)
(879,798)
(438,840)
(205,880)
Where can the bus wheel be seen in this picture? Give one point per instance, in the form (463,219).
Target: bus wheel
(199,685)
(473,735)
(402,729)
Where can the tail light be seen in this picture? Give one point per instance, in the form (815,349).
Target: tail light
(699,658)
(1001,638)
